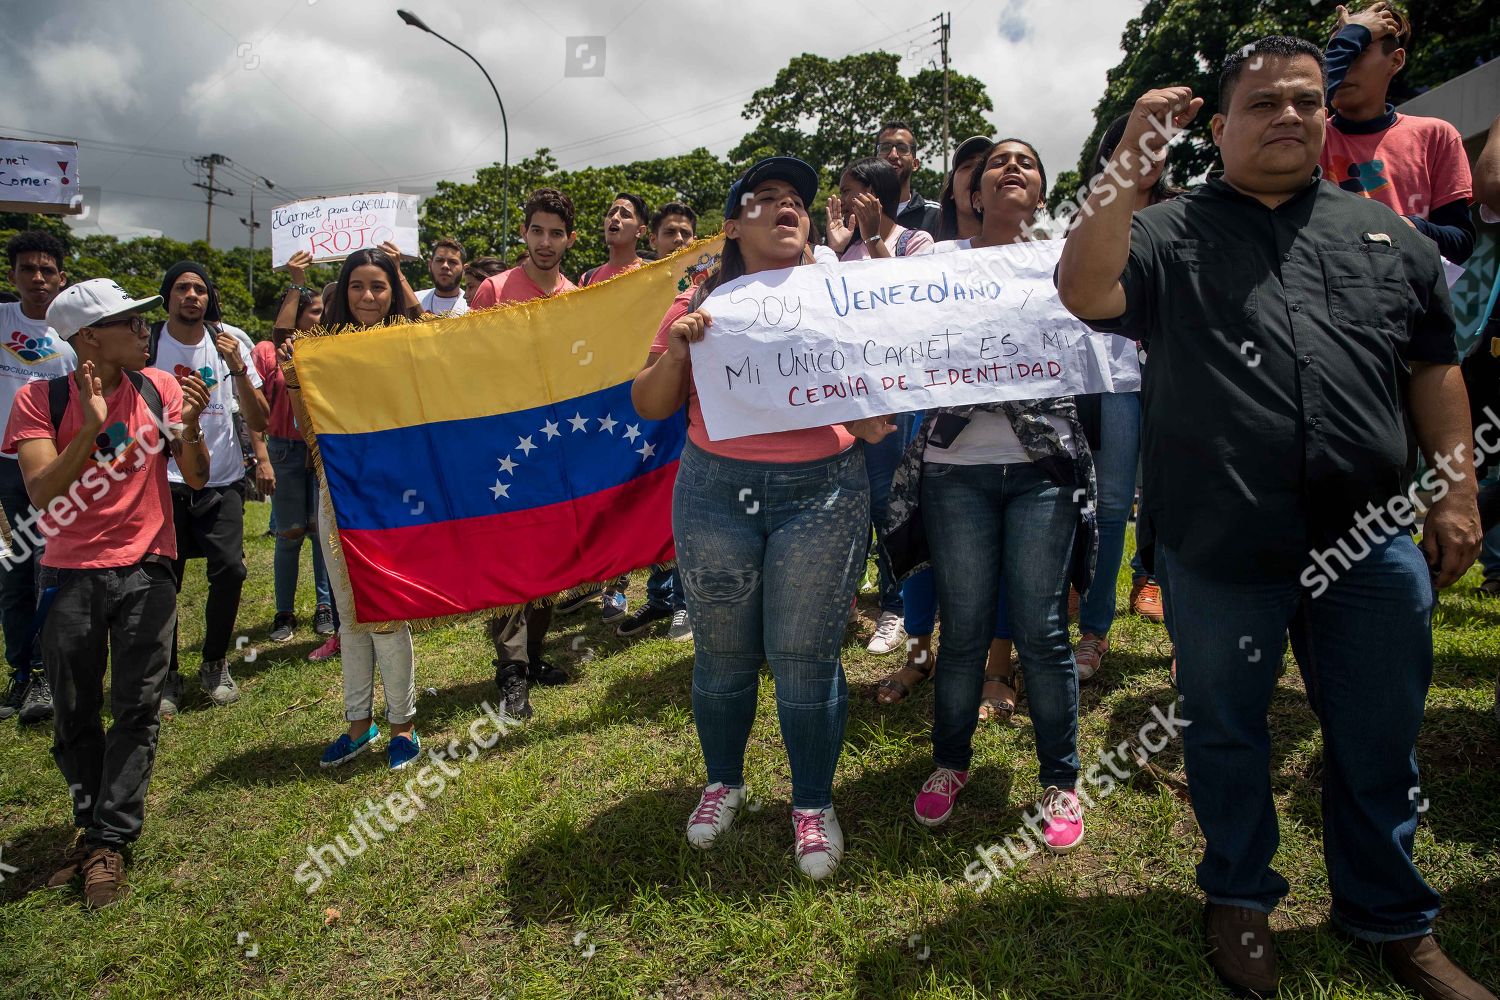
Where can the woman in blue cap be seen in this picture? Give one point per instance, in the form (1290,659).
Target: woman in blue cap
(771,532)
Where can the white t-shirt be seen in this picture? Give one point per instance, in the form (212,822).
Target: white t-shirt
(33,351)
(226,463)
(988,439)
(432,302)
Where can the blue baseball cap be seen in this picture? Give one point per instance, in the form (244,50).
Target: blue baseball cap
(795,172)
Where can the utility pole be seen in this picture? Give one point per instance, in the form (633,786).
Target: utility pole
(210,161)
(252,225)
(945,25)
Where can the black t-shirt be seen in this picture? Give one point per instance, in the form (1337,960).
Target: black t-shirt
(1280,343)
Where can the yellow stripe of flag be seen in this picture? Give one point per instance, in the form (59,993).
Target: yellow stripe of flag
(496,361)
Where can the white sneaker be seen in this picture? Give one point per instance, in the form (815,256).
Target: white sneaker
(818,841)
(890,634)
(681,629)
(715,813)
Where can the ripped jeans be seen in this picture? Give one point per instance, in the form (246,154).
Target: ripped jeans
(769,555)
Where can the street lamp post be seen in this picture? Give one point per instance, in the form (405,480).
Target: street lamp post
(417,22)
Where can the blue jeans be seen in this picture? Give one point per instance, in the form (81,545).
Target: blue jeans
(986,523)
(920,595)
(294,506)
(663,590)
(769,555)
(1114,466)
(1364,647)
(881,461)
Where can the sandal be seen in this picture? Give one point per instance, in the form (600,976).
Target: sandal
(999,708)
(893,691)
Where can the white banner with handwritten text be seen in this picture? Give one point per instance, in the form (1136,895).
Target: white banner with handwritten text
(333,228)
(826,343)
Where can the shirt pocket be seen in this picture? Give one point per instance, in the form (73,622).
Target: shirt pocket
(1366,286)
(1211,285)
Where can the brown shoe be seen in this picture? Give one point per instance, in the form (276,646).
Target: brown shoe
(72,864)
(1240,949)
(1420,965)
(103,877)
(1145,598)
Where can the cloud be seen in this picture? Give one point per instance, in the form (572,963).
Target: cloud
(87,73)
(1013,24)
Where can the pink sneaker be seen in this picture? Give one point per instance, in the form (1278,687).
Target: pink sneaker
(1064,818)
(1089,653)
(326,651)
(935,802)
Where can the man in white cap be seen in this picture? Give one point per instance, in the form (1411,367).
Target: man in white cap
(93,451)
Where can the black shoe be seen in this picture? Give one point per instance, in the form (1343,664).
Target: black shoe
(510,678)
(539,671)
(15,696)
(323,620)
(577,602)
(282,626)
(641,619)
(37,707)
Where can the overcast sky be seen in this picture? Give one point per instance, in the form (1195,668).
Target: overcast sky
(338,96)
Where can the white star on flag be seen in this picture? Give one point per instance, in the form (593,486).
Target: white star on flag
(506,465)
(632,432)
(500,490)
(606,423)
(525,445)
(579,422)
(646,450)
(550,429)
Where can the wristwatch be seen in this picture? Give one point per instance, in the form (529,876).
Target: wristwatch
(877,238)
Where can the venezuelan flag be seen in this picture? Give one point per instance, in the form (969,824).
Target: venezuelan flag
(495,458)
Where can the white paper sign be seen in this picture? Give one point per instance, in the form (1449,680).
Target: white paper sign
(39,176)
(333,228)
(825,343)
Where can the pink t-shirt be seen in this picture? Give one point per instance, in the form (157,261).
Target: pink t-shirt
(778,446)
(514,285)
(283,423)
(914,244)
(606,271)
(1414,166)
(120,508)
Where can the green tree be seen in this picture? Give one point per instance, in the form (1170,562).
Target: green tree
(1186,41)
(827,112)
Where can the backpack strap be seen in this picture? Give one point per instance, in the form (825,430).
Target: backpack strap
(903,241)
(149,393)
(57,400)
(152,342)
(588,277)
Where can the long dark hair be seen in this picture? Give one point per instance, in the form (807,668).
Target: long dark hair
(948,204)
(1162,190)
(882,180)
(338,312)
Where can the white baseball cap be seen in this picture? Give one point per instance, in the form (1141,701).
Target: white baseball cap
(91,302)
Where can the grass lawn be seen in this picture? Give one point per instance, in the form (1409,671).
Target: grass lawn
(554,864)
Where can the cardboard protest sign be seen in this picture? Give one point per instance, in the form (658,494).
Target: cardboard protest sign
(334,228)
(39,176)
(826,343)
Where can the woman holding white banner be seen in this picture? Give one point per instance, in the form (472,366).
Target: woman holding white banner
(771,533)
(1000,489)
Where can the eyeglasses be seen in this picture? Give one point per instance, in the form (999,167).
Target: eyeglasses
(887,147)
(137,323)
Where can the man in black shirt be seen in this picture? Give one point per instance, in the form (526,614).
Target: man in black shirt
(896,144)
(1294,328)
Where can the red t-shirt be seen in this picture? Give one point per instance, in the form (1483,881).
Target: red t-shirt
(777,446)
(120,509)
(283,423)
(606,271)
(1414,166)
(514,285)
